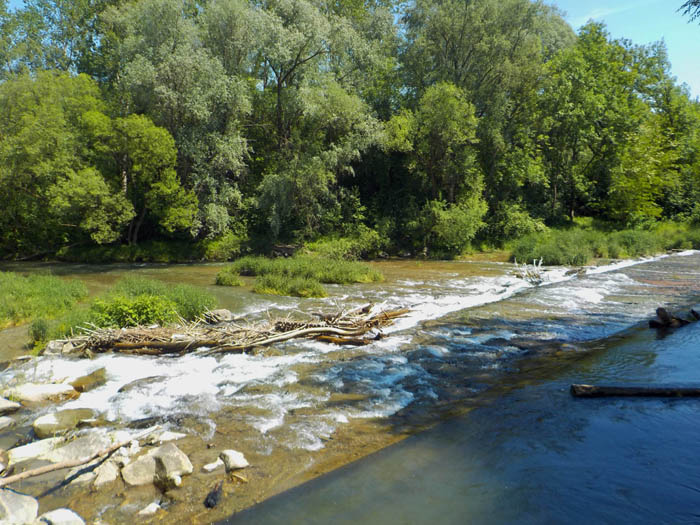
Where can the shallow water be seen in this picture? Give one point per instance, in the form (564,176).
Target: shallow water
(476,333)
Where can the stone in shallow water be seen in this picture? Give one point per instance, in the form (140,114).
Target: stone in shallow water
(149,510)
(36,393)
(211,467)
(233,460)
(6,422)
(61,517)
(142,470)
(16,507)
(60,422)
(33,450)
(90,381)
(7,406)
(106,473)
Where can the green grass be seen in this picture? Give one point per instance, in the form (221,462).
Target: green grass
(132,301)
(578,246)
(23,298)
(299,276)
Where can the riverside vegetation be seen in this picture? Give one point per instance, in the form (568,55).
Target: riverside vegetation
(163,130)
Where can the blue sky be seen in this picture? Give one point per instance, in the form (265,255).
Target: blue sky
(643,22)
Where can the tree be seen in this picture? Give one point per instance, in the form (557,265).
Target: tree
(692,9)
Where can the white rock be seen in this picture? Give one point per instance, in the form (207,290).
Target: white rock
(7,406)
(60,422)
(233,460)
(141,471)
(211,467)
(61,517)
(36,393)
(6,422)
(36,449)
(150,509)
(106,473)
(16,507)
(166,436)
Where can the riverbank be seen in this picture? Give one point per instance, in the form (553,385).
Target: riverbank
(301,409)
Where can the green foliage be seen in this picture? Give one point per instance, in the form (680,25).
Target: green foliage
(299,273)
(139,310)
(365,244)
(34,296)
(228,277)
(223,248)
(280,284)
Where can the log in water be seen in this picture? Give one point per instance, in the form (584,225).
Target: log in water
(634,391)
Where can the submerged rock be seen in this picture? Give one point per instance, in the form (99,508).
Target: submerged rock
(233,460)
(214,496)
(138,384)
(61,517)
(211,467)
(17,508)
(7,406)
(60,422)
(142,470)
(150,509)
(90,381)
(6,422)
(35,393)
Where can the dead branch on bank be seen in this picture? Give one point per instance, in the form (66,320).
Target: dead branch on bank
(72,463)
(343,328)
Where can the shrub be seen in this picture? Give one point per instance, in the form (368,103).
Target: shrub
(228,277)
(120,311)
(223,248)
(366,243)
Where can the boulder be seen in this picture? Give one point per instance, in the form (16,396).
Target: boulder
(82,447)
(106,473)
(142,470)
(149,510)
(60,422)
(139,384)
(211,467)
(233,460)
(35,393)
(163,479)
(61,517)
(37,449)
(90,381)
(6,422)
(7,406)
(17,508)
(219,316)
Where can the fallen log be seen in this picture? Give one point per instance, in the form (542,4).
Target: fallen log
(633,391)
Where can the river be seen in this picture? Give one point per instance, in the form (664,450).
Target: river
(484,355)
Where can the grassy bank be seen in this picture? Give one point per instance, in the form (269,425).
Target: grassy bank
(579,245)
(27,297)
(300,276)
(131,302)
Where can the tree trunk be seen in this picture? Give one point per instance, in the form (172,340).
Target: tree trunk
(633,391)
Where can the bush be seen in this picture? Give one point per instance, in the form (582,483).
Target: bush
(365,244)
(228,277)
(223,248)
(119,311)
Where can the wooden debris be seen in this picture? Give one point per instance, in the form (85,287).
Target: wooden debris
(532,274)
(633,391)
(345,327)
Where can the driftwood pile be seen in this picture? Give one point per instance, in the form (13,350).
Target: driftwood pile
(346,327)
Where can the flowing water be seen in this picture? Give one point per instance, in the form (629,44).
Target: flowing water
(477,336)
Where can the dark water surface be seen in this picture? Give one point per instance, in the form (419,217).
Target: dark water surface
(528,452)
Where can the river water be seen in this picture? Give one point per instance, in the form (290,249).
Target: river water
(483,353)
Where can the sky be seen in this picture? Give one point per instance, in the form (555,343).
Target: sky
(643,22)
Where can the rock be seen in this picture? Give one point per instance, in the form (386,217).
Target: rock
(37,449)
(233,460)
(34,393)
(60,422)
(53,348)
(90,381)
(163,479)
(16,507)
(6,422)
(61,517)
(138,384)
(211,467)
(149,510)
(82,447)
(7,406)
(142,470)
(165,436)
(106,473)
